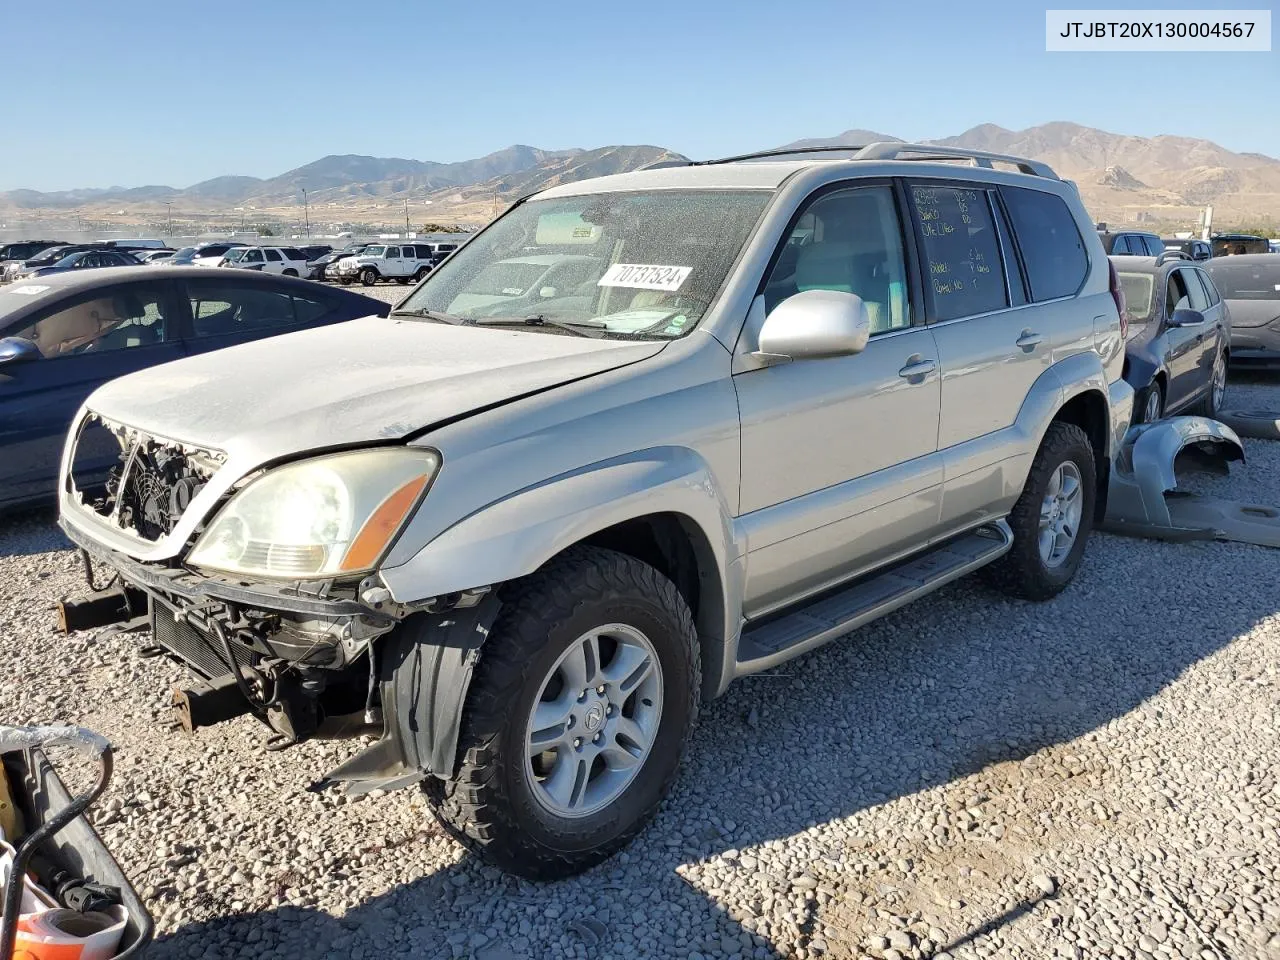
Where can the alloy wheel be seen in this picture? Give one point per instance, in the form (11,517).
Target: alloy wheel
(594,721)
(1060,514)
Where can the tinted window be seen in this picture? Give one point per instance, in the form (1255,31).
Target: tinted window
(423,252)
(1155,246)
(273,255)
(1195,290)
(849,241)
(310,309)
(219,307)
(393,252)
(128,316)
(1051,246)
(1138,299)
(963,271)
(1209,290)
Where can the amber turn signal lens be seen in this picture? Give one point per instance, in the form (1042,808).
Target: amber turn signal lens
(382,526)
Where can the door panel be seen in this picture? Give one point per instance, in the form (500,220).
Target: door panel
(85,343)
(1185,343)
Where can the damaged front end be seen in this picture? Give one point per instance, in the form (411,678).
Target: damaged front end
(300,653)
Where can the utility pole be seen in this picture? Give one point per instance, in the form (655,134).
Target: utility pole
(306,212)
(406,218)
(169,210)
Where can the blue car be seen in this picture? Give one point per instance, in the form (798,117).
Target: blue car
(65,334)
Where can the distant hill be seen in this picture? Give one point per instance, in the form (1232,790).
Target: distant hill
(1121,177)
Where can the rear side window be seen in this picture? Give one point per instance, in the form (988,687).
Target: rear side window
(309,310)
(1052,248)
(963,270)
(1210,290)
(273,255)
(219,307)
(1195,290)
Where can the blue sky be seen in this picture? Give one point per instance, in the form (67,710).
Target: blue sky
(176,93)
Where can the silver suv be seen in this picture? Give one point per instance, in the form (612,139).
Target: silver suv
(641,436)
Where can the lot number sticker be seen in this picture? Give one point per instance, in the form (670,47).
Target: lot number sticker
(639,276)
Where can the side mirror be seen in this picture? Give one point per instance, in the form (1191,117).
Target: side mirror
(814,324)
(1186,318)
(17,350)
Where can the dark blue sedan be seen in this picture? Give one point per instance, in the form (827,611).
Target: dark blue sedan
(63,335)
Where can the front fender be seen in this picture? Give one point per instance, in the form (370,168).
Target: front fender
(514,536)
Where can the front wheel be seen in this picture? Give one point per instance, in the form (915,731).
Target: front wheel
(368,276)
(1052,519)
(1150,405)
(576,718)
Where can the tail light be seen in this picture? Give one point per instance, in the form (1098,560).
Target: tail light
(1117,294)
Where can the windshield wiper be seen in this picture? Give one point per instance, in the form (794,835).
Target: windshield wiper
(538,320)
(427,315)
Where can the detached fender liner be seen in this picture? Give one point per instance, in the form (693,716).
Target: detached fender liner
(424,671)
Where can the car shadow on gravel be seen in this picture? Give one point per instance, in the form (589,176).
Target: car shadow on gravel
(932,694)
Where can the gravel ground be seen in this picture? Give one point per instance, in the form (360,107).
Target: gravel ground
(389,292)
(972,777)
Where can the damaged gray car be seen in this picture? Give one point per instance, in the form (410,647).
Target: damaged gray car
(641,436)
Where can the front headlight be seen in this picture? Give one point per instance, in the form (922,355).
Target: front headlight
(318,518)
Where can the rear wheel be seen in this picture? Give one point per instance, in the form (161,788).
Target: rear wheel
(577,716)
(368,276)
(291,273)
(422,272)
(1052,519)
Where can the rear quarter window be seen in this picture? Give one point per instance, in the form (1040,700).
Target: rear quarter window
(1052,248)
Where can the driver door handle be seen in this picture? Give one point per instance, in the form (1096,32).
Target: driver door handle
(917,368)
(1029,340)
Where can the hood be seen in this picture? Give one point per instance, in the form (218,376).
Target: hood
(350,383)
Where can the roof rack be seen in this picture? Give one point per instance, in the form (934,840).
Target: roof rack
(890,150)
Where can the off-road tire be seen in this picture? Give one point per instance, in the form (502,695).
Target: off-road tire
(1022,572)
(489,807)
(368,276)
(422,272)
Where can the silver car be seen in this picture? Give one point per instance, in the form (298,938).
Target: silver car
(643,435)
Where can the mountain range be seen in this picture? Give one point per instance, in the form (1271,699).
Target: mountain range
(1121,177)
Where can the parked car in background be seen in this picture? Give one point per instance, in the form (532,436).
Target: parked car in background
(315,251)
(1179,339)
(204,254)
(26,249)
(155,256)
(401,262)
(1235,244)
(1250,284)
(282,261)
(66,334)
(530,545)
(1274,245)
(137,243)
(326,267)
(1134,243)
(82,260)
(442,250)
(1193,248)
(45,258)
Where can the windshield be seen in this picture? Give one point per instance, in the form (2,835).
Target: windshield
(69,260)
(644,264)
(374,251)
(1245,281)
(184,253)
(1137,289)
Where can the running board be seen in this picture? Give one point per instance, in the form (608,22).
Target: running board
(835,614)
